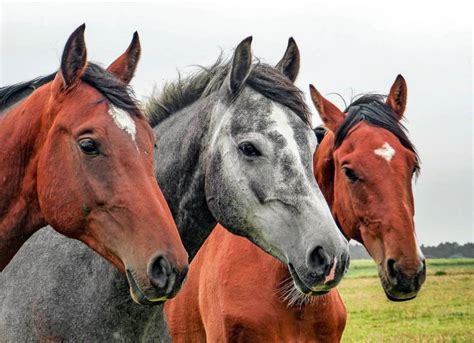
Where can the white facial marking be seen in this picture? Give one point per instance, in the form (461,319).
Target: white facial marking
(386,152)
(124,121)
(284,128)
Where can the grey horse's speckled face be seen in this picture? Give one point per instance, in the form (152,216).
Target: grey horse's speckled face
(260,184)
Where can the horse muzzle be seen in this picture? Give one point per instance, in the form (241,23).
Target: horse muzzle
(320,274)
(398,285)
(164,282)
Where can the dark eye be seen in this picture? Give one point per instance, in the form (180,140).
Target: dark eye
(249,150)
(350,174)
(89,146)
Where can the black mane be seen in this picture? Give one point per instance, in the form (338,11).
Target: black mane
(372,109)
(10,95)
(116,92)
(263,78)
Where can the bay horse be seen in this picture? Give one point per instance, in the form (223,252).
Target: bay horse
(77,154)
(233,143)
(364,165)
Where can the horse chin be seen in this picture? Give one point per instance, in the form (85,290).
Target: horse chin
(400,297)
(137,294)
(302,287)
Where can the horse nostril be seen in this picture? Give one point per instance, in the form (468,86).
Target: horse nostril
(318,261)
(421,276)
(159,271)
(346,260)
(392,272)
(423,268)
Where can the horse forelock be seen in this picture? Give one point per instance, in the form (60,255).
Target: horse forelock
(372,109)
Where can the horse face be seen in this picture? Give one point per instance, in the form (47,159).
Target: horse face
(260,185)
(96,183)
(373,188)
(259,180)
(367,179)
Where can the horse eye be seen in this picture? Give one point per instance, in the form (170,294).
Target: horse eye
(89,146)
(249,150)
(350,174)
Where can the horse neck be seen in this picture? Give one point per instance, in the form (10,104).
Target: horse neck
(180,171)
(20,216)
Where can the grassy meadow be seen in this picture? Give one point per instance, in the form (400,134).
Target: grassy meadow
(442,312)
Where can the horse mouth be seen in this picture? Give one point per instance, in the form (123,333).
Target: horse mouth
(137,294)
(391,293)
(301,286)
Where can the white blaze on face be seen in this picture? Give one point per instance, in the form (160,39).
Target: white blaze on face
(386,152)
(284,128)
(124,121)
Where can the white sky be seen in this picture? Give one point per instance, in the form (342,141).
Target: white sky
(347,47)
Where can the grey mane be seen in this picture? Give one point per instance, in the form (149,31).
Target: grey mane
(263,78)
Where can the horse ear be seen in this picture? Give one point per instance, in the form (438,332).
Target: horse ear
(331,116)
(125,65)
(289,65)
(241,63)
(397,98)
(74,58)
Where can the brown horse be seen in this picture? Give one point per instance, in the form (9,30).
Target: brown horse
(77,154)
(364,166)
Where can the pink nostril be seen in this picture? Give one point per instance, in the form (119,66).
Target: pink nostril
(332,272)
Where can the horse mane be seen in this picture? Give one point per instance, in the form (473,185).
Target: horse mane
(372,109)
(10,95)
(263,78)
(116,92)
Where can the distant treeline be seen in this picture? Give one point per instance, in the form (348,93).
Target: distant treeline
(442,250)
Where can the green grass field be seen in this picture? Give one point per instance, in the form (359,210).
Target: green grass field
(442,312)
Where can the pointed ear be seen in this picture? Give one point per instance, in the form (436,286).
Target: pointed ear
(241,63)
(397,98)
(125,65)
(289,65)
(74,58)
(331,116)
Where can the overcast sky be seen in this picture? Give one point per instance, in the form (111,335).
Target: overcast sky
(347,47)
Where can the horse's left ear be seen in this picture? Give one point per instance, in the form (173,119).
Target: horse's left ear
(125,65)
(289,65)
(397,98)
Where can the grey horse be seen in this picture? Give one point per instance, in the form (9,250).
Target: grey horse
(233,146)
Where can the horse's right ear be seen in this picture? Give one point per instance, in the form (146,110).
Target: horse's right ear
(289,65)
(241,63)
(73,60)
(125,65)
(331,116)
